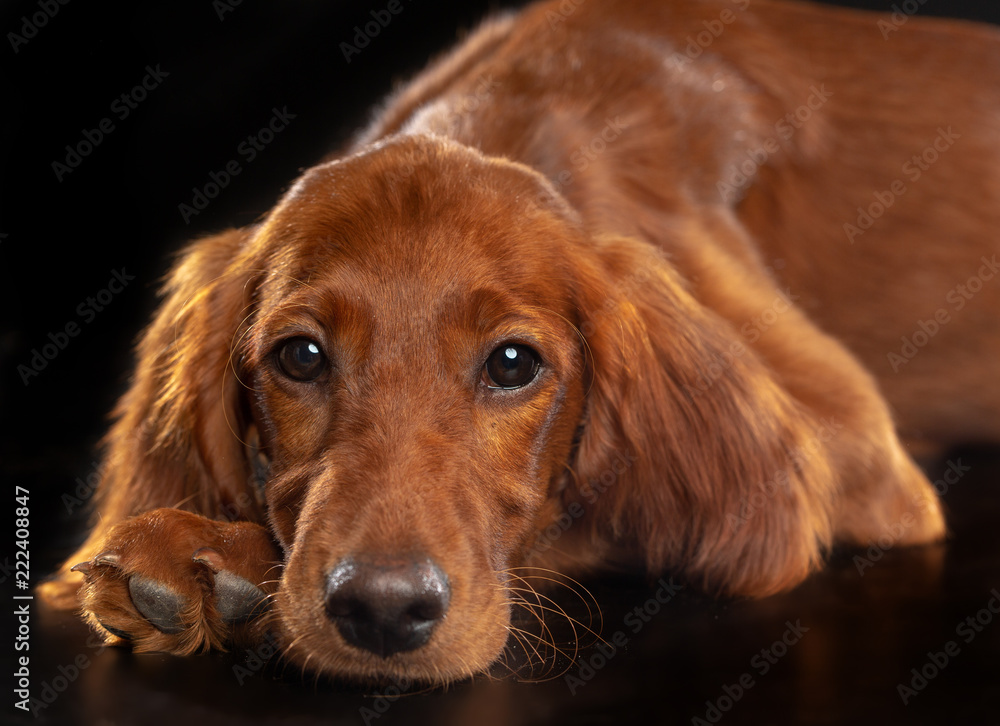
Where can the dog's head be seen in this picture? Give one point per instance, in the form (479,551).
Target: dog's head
(417,381)
(438,360)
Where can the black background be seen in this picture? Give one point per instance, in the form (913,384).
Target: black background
(61,241)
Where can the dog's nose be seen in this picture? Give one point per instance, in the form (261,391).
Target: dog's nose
(386,605)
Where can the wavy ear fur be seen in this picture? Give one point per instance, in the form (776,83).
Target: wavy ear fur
(730,484)
(176,440)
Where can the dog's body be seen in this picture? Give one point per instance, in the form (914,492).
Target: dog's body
(712,251)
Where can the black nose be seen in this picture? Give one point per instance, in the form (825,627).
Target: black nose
(386,605)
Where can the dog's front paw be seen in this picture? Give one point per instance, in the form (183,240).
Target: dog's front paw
(169,580)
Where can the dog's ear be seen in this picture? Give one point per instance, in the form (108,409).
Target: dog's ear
(691,449)
(177,436)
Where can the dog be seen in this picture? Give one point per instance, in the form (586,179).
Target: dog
(685,284)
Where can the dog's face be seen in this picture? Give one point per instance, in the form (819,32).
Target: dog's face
(417,378)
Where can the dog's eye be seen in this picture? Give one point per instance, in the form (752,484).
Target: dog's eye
(511,366)
(301,359)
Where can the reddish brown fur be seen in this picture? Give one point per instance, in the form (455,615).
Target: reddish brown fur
(451,228)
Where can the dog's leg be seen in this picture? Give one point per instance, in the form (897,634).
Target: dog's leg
(169,580)
(881,491)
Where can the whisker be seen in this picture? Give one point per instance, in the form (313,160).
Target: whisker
(556,609)
(521,636)
(556,650)
(575,591)
(274,566)
(531,607)
(521,593)
(586,344)
(272,271)
(566,615)
(502,662)
(185,500)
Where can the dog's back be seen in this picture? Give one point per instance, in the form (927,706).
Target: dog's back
(851,157)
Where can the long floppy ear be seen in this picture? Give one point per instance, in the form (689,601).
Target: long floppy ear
(176,439)
(692,451)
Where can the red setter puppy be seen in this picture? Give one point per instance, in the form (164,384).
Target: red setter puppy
(660,281)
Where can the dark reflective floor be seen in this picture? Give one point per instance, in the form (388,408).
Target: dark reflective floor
(840,649)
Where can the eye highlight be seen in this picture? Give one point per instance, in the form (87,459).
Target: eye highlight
(301,359)
(511,366)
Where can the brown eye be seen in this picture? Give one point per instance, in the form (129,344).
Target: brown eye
(301,359)
(511,366)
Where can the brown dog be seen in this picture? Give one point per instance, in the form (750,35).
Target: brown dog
(673,277)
